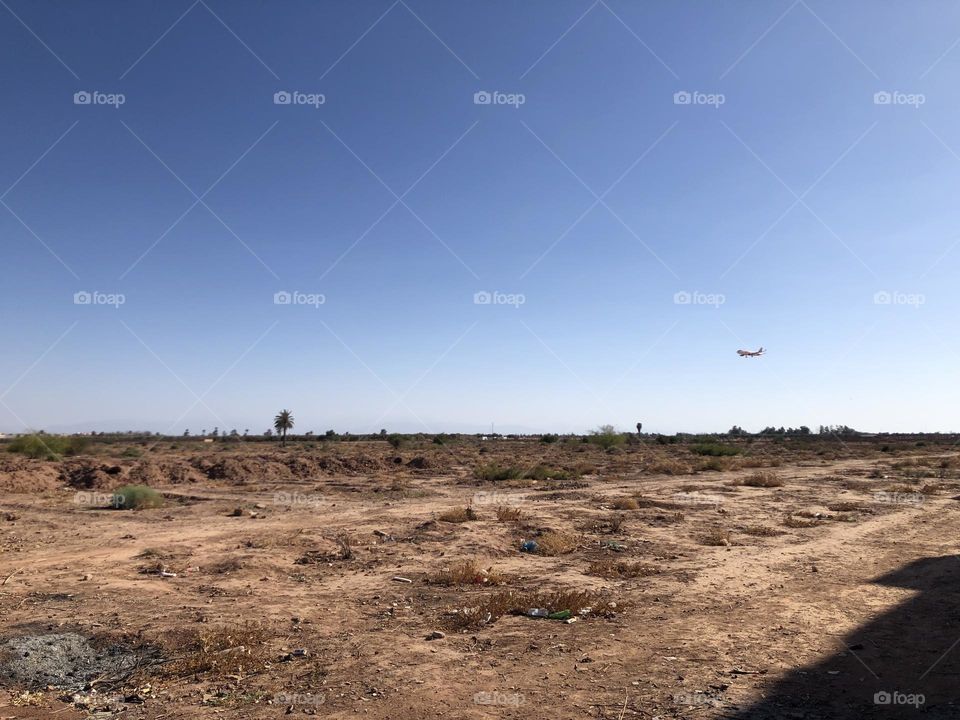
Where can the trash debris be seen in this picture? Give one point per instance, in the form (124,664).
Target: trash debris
(560,615)
(528,546)
(436,635)
(386,537)
(538,612)
(614,545)
(166,574)
(397,578)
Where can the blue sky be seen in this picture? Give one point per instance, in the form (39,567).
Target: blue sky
(792,206)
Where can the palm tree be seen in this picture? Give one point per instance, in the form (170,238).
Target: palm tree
(282,423)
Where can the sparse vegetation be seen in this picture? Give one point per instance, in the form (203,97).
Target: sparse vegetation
(556,542)
(458,515)
(467,572)
(714,450)
(48,447)
(136,497)
(621,569)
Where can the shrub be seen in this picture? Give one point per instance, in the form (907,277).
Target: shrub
(626,503)
(766,480)
(621,569)
(47,447)
(556,542)
(467,572)
(716,537)
(714,450)
(509,514)
(549,438)
(606,436)
(458,515)
(136,497)
(494,472)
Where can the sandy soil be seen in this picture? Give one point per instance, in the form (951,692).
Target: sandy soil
(800,599)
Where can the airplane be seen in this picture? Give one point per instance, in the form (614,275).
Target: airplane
(751,353)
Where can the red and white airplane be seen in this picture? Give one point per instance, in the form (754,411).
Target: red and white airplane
(751,353)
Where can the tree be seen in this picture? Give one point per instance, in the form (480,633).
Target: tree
(639,428)
(281,423)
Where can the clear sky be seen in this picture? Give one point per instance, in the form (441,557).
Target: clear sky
(790,205)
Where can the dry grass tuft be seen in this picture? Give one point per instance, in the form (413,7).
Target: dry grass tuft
(760,531)
(621,569)
(509,514)
(626,503)
(490,608)
(467,572)
(791,521)
(556,542)
(716,537)
(760,479)
(458,515)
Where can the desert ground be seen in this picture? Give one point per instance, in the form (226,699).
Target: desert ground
(761,577)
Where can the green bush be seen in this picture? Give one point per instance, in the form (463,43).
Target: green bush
(714,450)
(549,438)
(606,436)
(47,447)
(496,472)
(136,497)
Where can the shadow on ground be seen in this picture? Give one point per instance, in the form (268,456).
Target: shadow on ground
(904,664)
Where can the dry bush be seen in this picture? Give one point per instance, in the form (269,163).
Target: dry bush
(621,569)
(458,515)
(222,567)
(760,479)
(716,537)
(660,465)
(556,542)
(931,489)
(794,522)
(760,531)
(646,502)
(626,503)
(467,572)
(220,651)
(846,506)
(490,608)
(509,514)
(615,523)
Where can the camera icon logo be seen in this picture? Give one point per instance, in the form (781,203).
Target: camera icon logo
(682,97)
(682,298)
(82,98)
(282,97)
(882,98)
(882,698)
(482,97)
(282,298)
(482,298)
(82,298)
(881,297)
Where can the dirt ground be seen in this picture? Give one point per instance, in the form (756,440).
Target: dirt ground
(796,579)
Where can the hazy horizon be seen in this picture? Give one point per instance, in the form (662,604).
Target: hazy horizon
(429,216)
